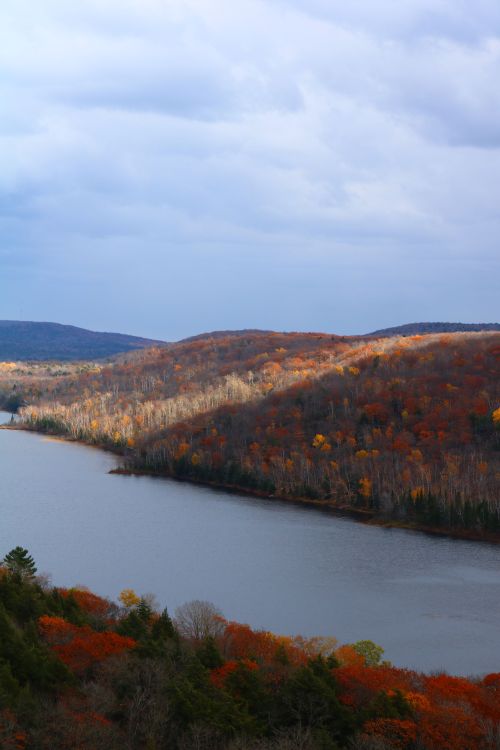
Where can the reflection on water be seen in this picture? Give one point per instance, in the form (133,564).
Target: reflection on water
(431,602)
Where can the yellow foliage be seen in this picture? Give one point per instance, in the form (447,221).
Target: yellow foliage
(365,487)
(129,598)
(416,493)
(326,447)
(354,370)
(361,454)
(195,459)
(117,436)
(318,440)
(339,369)
(496,416)
(94,425)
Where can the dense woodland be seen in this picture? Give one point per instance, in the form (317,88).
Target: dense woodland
(403,428)
(78,671)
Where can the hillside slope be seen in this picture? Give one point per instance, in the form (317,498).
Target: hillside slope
(25,340)
(80,671)
(413,329)
(403,428)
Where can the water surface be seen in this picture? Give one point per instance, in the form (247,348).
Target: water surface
(433,603)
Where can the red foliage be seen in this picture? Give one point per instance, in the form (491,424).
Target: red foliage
(449,713)
(360,683)
(219,676)
(241,642)
(89,602)
(81,647)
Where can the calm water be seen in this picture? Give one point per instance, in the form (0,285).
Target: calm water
(432,603)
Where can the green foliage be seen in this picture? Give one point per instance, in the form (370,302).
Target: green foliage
(310,699)
(369,650)
(209,655)
(19,562)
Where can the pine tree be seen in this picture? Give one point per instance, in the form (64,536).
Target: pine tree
(20,562)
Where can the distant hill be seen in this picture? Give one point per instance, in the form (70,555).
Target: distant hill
(226,334)
(413,329)
(24,340)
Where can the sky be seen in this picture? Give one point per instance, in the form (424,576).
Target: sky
(169,167)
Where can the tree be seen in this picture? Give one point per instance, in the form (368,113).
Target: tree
(369,651)
(20,562)
(199,620)
(129,598)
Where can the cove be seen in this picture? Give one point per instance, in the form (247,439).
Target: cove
(432,602)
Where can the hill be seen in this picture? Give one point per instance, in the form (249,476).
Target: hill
(225,334)
(80,671)
(402,428)
(25,340)
(413,329)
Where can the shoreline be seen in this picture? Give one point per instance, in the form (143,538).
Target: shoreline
(365,516)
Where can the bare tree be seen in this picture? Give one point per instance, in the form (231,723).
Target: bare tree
(198,620)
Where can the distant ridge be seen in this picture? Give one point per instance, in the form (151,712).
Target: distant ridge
(412,329)
(225,334)
(26,340)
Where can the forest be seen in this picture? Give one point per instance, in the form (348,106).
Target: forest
(27,340)
(78,671)
(403,430)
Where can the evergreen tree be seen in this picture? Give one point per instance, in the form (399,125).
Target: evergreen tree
(20,562)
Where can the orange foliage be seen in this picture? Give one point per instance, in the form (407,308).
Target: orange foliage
(81,647)
(241,642)
(89,602)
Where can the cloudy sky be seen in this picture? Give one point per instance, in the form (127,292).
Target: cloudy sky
(174,166)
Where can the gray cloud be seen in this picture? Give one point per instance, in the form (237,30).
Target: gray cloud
(170,167)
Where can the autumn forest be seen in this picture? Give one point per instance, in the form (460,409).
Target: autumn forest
(395,429)
(80,671)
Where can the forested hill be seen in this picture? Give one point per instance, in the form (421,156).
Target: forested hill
(404,428)
(80,672)
(26,340)
(412,329)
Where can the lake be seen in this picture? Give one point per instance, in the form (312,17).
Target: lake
(432,603)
